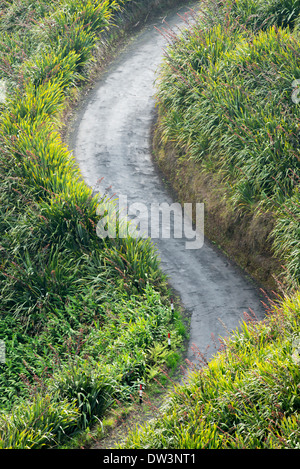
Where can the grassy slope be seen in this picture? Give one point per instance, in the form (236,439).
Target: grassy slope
(65,294)
(247,397)
(226,101)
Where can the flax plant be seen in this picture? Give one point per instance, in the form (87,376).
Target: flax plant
(58,279)
(225,99)
(246,397)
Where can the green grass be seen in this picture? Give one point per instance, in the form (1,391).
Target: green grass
(247,397)
(225,100)
(79,314)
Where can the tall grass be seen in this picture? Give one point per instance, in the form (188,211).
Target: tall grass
(40,424)
(225,99)
(65,293)
(247,397)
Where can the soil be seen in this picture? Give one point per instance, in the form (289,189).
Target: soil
(243,237)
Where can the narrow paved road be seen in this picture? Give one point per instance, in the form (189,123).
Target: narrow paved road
(111,139)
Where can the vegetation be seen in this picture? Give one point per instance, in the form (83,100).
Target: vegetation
(79,314)
(85,320)
(247,397)
(225,100)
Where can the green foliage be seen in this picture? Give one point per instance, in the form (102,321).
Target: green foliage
(280,12)
(52,66)
(226,103)
(264,13)
(248,396)
(79,314)
(92,351)
(39,424)
(134,261)
(287,235)
(19,12)
(84,382)
(225,99)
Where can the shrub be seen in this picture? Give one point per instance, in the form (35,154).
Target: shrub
(39,424)
(85,382)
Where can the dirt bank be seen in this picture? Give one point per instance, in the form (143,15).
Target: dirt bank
(243,237)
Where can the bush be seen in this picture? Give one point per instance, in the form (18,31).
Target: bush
(85,382)
(39,424)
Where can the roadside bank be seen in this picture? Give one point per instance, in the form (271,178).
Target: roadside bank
(243,237)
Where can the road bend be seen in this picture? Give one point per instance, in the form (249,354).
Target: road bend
(111,140)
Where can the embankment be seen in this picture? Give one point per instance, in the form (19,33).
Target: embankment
(243,237)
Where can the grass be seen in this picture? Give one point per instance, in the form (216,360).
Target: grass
(225,99)
(247,397)
(79,315)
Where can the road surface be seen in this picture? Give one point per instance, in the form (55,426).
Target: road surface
(111,140)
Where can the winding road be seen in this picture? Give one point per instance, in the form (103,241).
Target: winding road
(111,140)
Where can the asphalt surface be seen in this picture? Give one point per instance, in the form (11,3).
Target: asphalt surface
(111,140)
